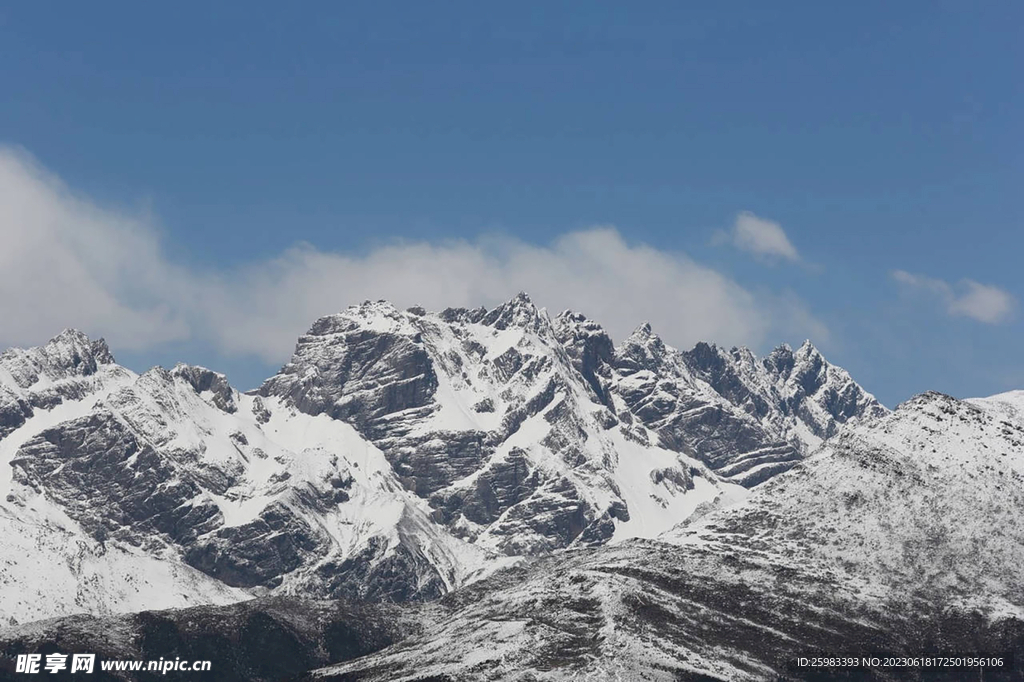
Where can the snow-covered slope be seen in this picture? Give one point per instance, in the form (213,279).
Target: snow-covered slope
(926,501)
(642,610)
(1010,404)
(172,470)
(50,569)
(900,535)
(49,564)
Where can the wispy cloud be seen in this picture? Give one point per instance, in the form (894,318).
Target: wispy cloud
(65,261)
(761,237)
(981,302)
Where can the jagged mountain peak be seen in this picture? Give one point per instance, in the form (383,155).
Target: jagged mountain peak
(643,349)
(70,366)
(708,349)
(799,388)
(69,354)
(784,360)
(808,355)
(74,339)
(707,358)
(381,305)
(573,317)
(644,336)
(570,314)
(519,311)
(709,355)
(570,323)
(381,316)
(744,359)
(643,331)
(807,348)
(781,360)
(806,369)
(521,299)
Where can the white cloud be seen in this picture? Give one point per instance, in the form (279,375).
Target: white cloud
(66,262)
(762,237)
(981,302)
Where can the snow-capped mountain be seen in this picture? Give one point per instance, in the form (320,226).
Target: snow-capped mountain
(514,496)
(397,456)
(904,534)
(175,470)
(49,563)
(487,416)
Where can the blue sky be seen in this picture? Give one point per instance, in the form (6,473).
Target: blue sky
(205,141)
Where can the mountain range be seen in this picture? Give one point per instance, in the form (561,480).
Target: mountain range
(503,494)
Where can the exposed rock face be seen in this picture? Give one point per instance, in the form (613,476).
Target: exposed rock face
(590,350)
(96,458)
(394,375)
(659,388)
(355,373)
(208,383)
(260,552)
(746,419)
(177,467)
(14,410)
(798,392)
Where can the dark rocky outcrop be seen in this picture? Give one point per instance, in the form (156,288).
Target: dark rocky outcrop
(203,380)
(264,640)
